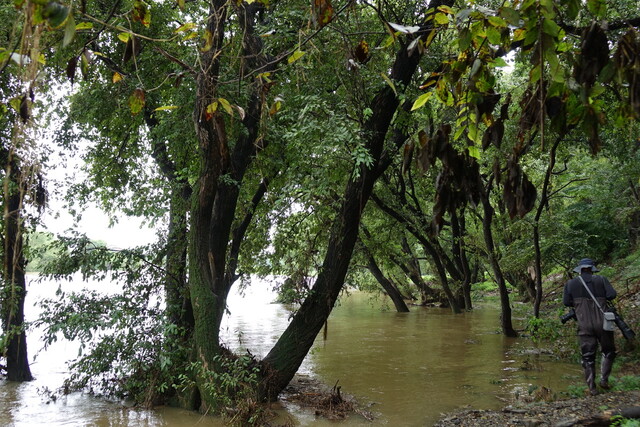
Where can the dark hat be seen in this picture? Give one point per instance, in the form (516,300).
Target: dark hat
(586,263)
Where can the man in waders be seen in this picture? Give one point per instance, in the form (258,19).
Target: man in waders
(588,295)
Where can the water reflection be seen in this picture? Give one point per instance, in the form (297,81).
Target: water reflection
(408,367)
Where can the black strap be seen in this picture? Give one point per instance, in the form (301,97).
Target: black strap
(590,293)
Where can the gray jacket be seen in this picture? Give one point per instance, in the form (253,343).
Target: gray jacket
(576,296)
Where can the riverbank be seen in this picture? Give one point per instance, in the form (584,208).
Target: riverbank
(600,410)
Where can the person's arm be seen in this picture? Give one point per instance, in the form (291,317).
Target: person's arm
(610,293)
(567,298)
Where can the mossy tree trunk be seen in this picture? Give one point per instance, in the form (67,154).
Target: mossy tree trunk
(214,243)
(13,276)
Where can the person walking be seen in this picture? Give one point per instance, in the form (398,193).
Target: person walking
(588,294)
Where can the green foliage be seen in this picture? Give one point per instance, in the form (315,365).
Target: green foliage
(620,421)
(576,391)
(292,291)
(127,345)
(232,384)
(486,286)
(543,329)
(626,383)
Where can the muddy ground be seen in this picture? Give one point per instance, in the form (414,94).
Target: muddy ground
(600,410)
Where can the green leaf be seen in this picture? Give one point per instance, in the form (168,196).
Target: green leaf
(56,14)
(136,101)
(464,39)
(511,16)
(573,8)
(211,110)
(181,4)
(499,62)
(441,19)
(226,105)
(550,27)
(472,130)
(459,132)
(597,7)
(475,67)
(596,90)
(474,151)
(84,64)
(430,37)
(186,27)
(493,35)
(166,108)
(535,74)
(446,9)
(84,26)
(390,83)
(421,100)
(69,31)
(295,56)
(554,66)
(15,103)
(496,21)
(124,37)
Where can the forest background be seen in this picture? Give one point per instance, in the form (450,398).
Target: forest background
(420,147)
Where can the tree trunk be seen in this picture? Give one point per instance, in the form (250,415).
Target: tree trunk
(15,284)
(179,308)
(505,318)
(386,284)
(284,359)
(544,199)
(213,242)
(440,261)
(460,255)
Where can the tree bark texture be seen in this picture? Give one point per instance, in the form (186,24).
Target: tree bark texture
(14,277)
(213,243)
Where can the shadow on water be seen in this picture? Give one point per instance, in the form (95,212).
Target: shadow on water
(407,368)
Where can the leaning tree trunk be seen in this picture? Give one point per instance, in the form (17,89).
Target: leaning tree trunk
(390,289)
(178,302)
(440,261)
(284,359)
(15,283)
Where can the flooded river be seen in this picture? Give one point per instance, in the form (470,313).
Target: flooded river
(406,368)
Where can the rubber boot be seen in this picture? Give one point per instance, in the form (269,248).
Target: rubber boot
(590,376)
(605,371)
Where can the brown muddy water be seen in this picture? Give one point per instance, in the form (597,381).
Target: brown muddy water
(407,369)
